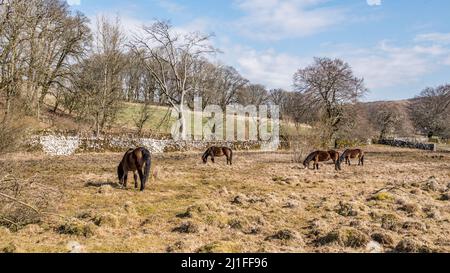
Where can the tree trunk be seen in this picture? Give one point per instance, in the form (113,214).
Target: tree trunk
(97,124)
(7,109)
(183,131)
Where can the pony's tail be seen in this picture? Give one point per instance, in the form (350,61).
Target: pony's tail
(205,155)
(120,172)
(148,163)
(362,160)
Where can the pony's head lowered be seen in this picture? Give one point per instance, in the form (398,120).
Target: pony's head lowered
(342,157)
(308,159)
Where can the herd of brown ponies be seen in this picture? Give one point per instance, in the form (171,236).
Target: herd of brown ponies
(138,161)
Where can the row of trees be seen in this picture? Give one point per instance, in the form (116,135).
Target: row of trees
(39,42)
(340,116)
(49,54)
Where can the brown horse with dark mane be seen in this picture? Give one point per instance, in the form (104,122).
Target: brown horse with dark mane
(323,156)
(137,161)
(218,152)
(352,154)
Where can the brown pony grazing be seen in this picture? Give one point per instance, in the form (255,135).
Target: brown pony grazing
(218,152)
(322,156)
(137,161)
(351,154)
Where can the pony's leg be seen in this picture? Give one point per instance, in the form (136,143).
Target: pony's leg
(135,180)
(212,159)
(125,180)
(141,176)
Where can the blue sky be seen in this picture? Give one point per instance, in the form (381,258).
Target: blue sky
(398,46)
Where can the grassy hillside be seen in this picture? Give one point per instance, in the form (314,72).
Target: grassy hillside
(162,119)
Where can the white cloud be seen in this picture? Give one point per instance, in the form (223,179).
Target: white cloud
(171,6)
(386,66)
(374,2)
(267,67)
(201,25)
(74,2)
(447,60)
(436,37)
(280,19)
(383,65)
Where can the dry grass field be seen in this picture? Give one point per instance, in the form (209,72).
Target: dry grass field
(398,202)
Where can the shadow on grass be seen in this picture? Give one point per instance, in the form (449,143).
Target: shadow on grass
(98,184)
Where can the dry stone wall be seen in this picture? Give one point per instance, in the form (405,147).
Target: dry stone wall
(61,145)
(408,144)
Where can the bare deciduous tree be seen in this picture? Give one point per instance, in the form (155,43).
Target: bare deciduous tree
(144,115)
(99,79)
(329,84)
(38,41)
(387,119)
(253,94)
(279,97)
(430,111)
(229,83)
(170,59)
(13,15)
(296,108)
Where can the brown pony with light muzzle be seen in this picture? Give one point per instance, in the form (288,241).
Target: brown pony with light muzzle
(352,154)
(323,156)
(137,161)
(218,152)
